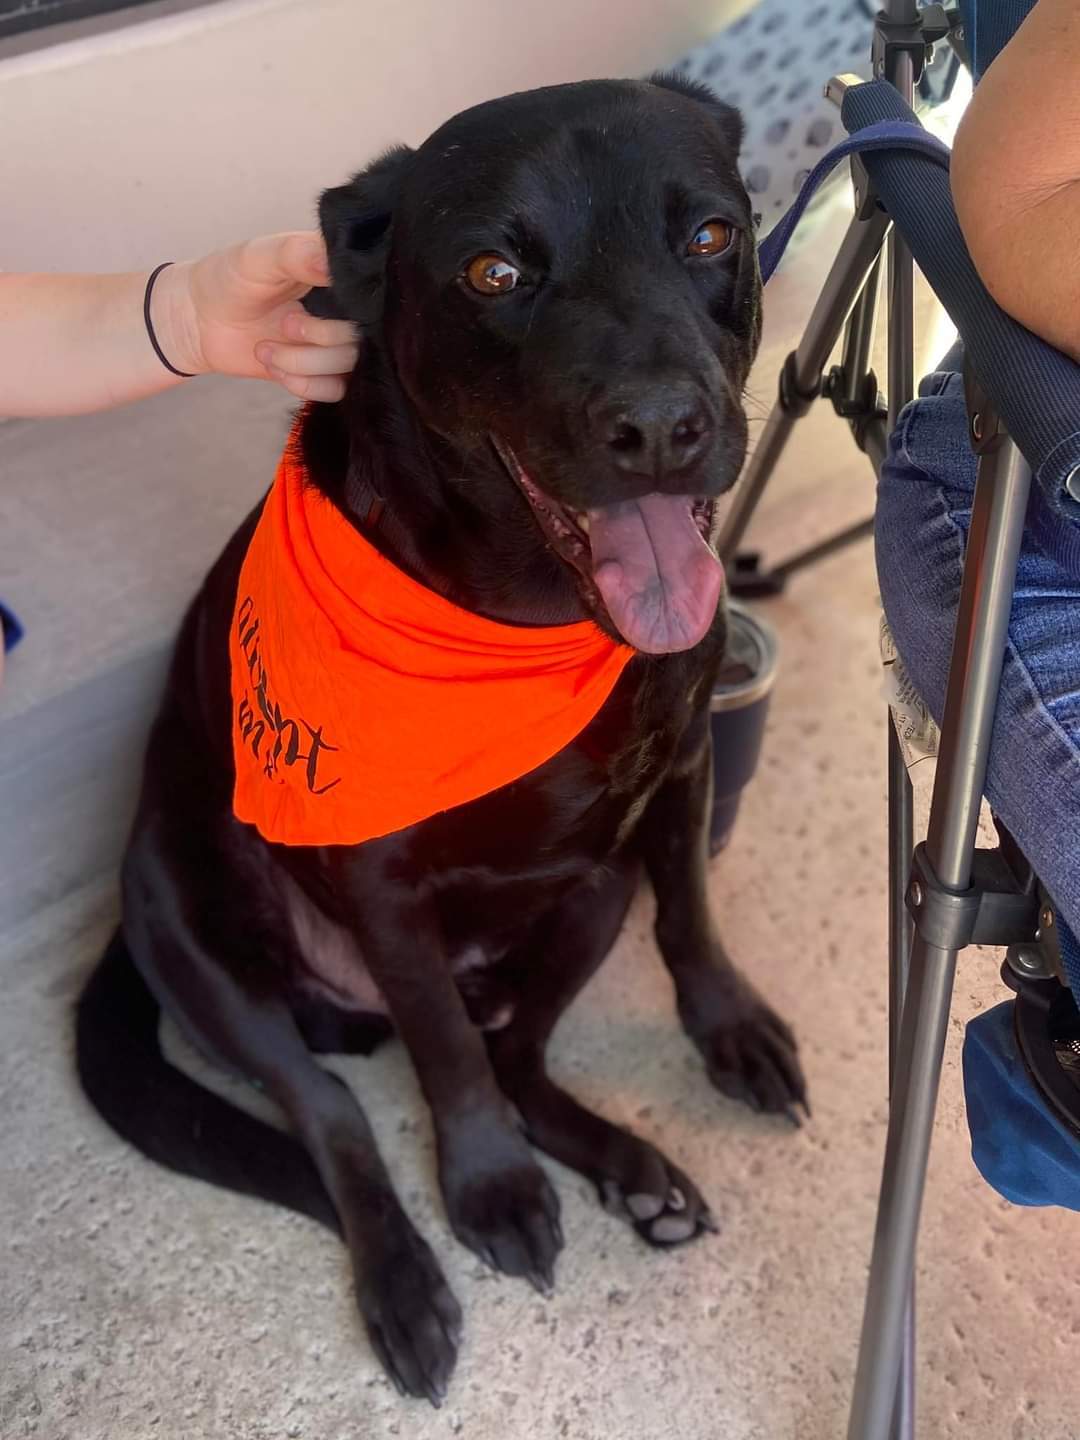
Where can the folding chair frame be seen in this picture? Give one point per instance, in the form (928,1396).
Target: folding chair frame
(883,1403)
(945,894)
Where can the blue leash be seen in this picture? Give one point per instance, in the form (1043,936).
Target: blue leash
(885,135)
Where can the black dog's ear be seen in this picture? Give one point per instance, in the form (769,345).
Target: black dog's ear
(726,116)
(320,302)
(356,220)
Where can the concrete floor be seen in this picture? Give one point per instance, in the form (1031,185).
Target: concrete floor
(137,1304)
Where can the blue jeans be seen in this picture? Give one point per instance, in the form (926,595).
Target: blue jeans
(923,514)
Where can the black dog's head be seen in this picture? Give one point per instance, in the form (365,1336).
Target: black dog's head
(569,275)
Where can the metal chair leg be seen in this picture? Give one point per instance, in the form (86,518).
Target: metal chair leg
(901,931)
(801,380)
(901,341)
(978,651)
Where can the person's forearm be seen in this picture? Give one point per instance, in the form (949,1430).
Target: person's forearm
(75,343)
(1016,175)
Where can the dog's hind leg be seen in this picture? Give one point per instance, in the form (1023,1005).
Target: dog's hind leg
(631,1175)
(208,949)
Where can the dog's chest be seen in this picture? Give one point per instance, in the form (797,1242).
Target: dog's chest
(572,813)
(498,865)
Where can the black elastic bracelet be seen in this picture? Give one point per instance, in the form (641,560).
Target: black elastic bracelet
(184,374)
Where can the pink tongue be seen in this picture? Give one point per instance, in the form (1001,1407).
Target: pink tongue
(658,578)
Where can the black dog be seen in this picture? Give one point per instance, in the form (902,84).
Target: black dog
(559,299)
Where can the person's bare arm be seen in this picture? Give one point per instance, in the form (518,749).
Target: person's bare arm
(75,343)
(1016,175)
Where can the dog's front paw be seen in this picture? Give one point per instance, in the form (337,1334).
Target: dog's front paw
(749,1052)
(412,1318)
(502,1206)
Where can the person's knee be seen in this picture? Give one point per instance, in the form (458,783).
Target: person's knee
(924,499)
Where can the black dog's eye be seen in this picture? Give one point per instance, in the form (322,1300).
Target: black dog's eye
(492,275)
(713,238)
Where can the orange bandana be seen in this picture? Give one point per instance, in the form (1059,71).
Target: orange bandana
(364,702)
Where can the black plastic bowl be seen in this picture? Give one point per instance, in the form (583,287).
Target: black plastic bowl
(740,704)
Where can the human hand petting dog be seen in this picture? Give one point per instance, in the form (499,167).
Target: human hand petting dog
(70,344)
(238,312)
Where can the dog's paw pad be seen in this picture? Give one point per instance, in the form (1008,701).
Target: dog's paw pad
(683,1216)
(644,1207)
(672,1229)
(670,1218)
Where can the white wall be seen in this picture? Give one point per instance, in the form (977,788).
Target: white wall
(168,137)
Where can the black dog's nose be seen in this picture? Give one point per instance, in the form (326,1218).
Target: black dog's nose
(656,430)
